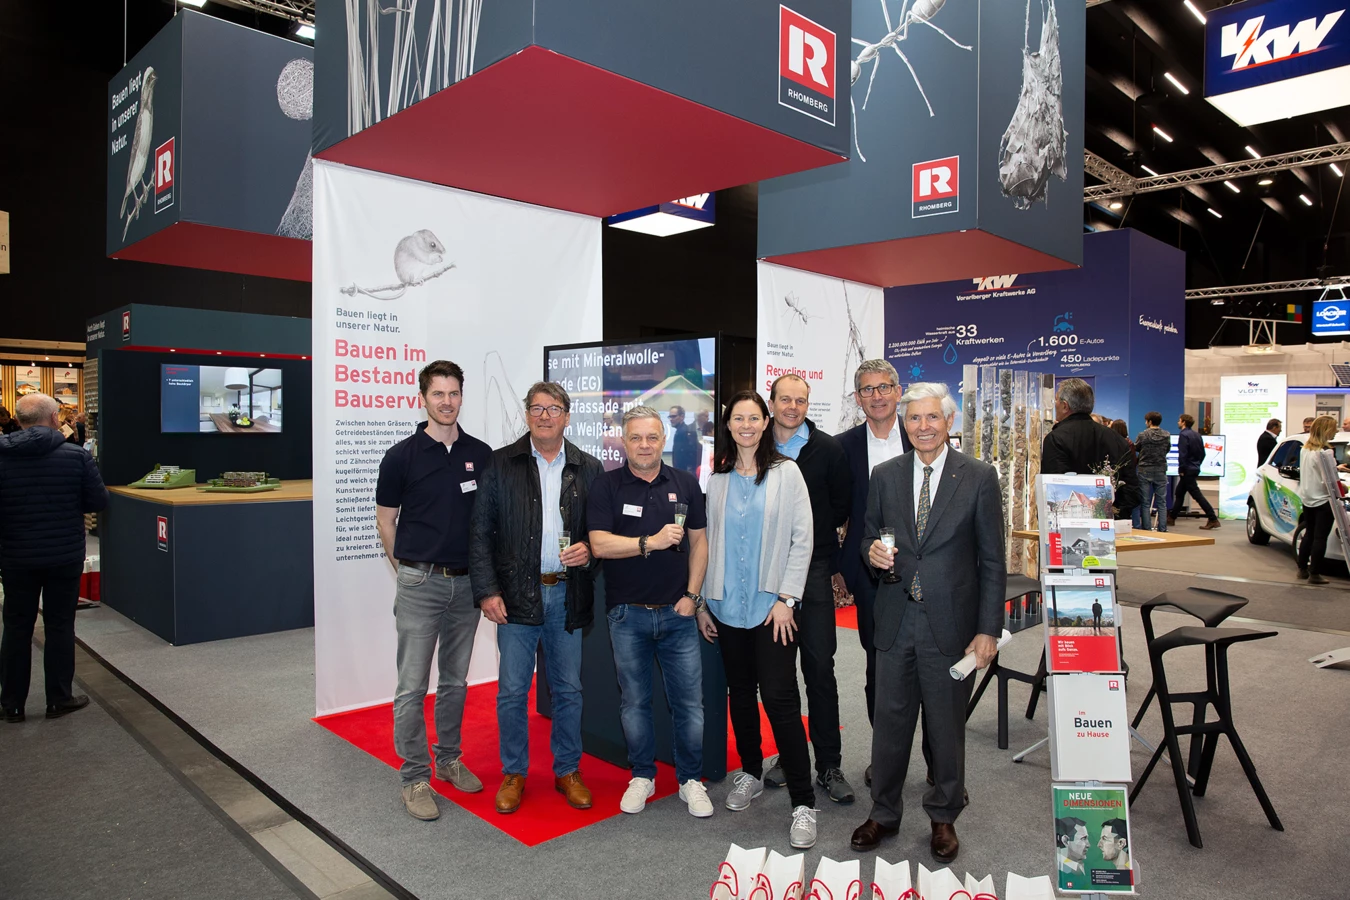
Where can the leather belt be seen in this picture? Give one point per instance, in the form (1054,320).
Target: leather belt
(550,578)
(434,568)
(650,605)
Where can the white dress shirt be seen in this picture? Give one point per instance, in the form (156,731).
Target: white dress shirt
(879,450)
(934,479)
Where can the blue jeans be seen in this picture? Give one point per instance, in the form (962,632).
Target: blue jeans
(431,609)
(637,634)
(1152,484)
(517,645)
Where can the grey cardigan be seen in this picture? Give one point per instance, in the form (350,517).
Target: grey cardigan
(785,548)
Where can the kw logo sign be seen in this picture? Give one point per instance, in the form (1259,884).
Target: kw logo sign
(695,202)
(164,176)
(994,282)
(937,185)
(805,66)
(1251,46)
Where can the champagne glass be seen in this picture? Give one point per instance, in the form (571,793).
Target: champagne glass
(888,541)
(564,541)
(681,511)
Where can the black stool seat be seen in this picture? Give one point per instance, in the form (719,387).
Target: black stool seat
(1196,636)
(1210,607)
(1019,585)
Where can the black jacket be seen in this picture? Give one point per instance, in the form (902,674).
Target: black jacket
(1265,445)
(508,526)
(46,487)
(825,470)
(1080,445)
(1151,447)
(1190,452)
(858,576)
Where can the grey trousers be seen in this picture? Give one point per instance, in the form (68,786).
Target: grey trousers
(911,672)
(431,609)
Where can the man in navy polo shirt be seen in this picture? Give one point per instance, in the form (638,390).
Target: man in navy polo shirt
(652,574)
(424,508)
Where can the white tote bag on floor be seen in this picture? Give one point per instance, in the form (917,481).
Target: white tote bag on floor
(836,880)
(939,885)
(980,889)
(736,874)
(782,878)
(892,882)
(1019,888)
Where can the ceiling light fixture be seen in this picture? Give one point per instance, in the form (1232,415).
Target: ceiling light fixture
(1266,182)
(197,3)
(1162,134)
(1337,169)
(1304,198)
(1254,154)
(1177,84)
(304,31)
(1195,12)
(1148,170)
(1232,187)
(1116,204)
(1214,212)
(1217,301)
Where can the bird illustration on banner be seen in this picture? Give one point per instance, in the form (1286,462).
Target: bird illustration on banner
(140,152)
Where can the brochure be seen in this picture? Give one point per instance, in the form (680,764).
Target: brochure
(1093,851)
(1081,620)
(1089,728)
(1077,524)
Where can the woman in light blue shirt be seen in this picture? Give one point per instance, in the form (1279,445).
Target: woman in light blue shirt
(759,548)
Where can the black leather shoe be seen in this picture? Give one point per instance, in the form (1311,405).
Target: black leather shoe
(66,707)
(868,835)
(944,845)
(14,715)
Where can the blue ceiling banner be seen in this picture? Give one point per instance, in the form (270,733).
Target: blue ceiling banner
(1273,59)
(1331,317)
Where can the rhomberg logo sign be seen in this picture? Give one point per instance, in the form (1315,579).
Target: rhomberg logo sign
(1252,44)
(937,187)
(805,66)
(164,176)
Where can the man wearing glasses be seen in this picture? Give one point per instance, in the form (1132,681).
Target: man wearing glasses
(876,440)
(532,575)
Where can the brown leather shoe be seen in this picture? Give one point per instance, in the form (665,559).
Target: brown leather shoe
(868,835)
(509,794)
(944,844)
(1212,523)
(574,789)
(1171,520)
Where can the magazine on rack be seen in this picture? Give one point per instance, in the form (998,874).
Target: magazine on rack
(1076,521)
(1081,621)
(1093,847)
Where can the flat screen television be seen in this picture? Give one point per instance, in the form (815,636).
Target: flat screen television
(241,399)
(677,378)
(1215,456)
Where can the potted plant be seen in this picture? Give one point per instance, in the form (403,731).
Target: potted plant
(234,415)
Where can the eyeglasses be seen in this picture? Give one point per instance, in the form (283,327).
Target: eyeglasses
(551,411)
(882,389)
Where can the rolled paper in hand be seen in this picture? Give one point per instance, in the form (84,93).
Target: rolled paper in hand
(961,671)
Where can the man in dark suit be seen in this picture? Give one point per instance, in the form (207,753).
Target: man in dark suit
(1079,445)
(946,601)
(1265,444)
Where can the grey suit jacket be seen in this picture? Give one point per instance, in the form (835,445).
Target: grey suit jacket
(961,560)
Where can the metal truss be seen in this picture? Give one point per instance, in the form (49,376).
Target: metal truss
(1118,186)
(1269,287)
(299,10)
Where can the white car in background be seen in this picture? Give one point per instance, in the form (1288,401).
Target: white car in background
(1273,505)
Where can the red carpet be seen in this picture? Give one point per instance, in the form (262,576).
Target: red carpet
(846,617)
(544,814)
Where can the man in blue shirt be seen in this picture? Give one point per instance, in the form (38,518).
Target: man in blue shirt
(1190,455)
(653,569)
(423,508)
(825,469)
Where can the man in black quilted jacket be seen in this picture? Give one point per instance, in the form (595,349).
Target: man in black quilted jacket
(46,487)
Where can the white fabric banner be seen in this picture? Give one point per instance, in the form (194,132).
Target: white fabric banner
(407,272)
(820,328)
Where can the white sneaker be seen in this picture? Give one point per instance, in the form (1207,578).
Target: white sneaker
(803,831)
(635,798)
(695,794)
(745,787)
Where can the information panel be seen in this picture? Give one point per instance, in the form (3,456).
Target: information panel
(1246,403)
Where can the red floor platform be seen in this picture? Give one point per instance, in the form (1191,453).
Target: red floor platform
(543,814)
(846,617)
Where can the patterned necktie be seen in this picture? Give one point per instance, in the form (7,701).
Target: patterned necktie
(920,524)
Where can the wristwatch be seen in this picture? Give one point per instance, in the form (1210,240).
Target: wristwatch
(789,602)
(642,546)
(699,603)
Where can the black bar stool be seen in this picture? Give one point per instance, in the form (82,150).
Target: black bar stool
(1017,617)
(1210,607)
(1216,642)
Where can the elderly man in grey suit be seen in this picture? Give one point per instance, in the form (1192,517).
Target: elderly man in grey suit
(945,600)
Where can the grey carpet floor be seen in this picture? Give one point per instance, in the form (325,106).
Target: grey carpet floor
(86,812)
(253,697)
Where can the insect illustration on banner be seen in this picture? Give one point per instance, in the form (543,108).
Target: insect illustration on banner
(796,311)
(418,258)
(922,13)
(1034,146)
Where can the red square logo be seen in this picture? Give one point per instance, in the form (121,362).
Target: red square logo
(937,187)
(806,64)
(1113,685)
(1100,582)
(1100,482)
(162,532)
(126,324)
(164,169)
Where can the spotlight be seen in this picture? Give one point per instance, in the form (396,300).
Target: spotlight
(1116,204)
(304,31)
(1266,182)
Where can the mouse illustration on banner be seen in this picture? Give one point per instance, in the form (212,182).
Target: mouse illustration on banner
(418,258)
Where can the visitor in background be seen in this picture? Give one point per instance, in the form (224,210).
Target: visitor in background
(46,487)
(1265,444)
(1079,445)
(1120,428)
(1151,447)
(1316,495)
(1307,424)
(8,425)
(1345,424)
(653,570)
(536,590)
(686,449)
(1190,456)
(759,556)
(424,501)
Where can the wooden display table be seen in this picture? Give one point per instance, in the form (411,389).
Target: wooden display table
(196,566)
(1151,540)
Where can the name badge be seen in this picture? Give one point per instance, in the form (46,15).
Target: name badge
(631,510)
(673,498)
(467,486)
(468,467)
